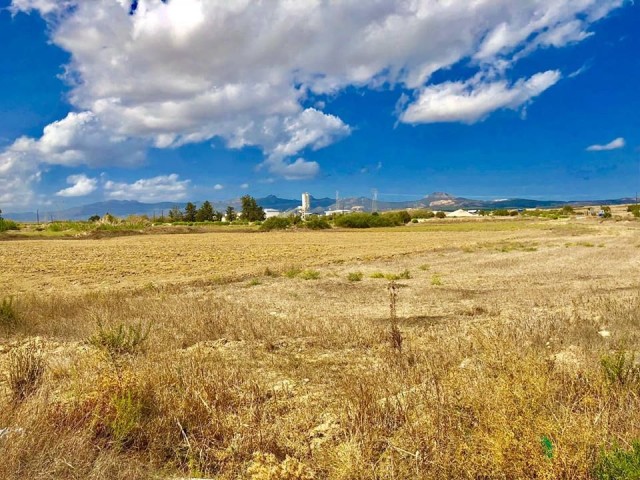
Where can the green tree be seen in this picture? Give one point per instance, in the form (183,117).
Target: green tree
(0,214)
(251,211)
(175,214)
(190,212)
(230,214)
(94,218)
(205,212)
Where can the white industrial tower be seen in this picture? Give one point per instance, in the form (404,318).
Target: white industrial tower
(306,204)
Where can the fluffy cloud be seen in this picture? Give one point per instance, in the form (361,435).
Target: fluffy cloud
(164,187)
(178,72)
(612,145)
(80,185)
(473,100)
(218,186)
(17,179)
(77,139)
(300,169)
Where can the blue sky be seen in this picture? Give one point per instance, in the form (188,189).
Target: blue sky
(191,101)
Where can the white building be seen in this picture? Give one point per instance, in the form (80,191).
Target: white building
(271,212)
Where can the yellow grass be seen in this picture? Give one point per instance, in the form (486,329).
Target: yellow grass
(198,355)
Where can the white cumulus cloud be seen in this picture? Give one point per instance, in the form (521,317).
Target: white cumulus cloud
(612,145)
(473,100)
(218,186)
(188,71)
(164,187)
(81,185)
(300,169)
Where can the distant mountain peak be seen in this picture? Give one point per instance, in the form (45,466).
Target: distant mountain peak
(441,195)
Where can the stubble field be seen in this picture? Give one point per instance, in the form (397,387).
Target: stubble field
(504,349)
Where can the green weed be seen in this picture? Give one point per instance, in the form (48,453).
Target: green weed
(354,276)
(619,464)
(292,272)
(120,339)
(310,275)
(619,368)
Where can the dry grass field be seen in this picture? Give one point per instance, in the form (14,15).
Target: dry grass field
(498,349)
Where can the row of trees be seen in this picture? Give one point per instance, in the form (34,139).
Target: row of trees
(251,212)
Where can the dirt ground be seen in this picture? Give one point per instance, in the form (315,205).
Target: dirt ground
(268,354)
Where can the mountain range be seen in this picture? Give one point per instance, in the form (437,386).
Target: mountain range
(434,201)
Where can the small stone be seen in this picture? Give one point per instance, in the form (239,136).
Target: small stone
(604,333)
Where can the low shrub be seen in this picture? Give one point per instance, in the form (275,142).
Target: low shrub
(401,217)
(436,280)
(363,220)
(422,213)
(275,223)
(120,339)
(354,276)
(66,226)
(110,227)
(317,223)
(619,368)
(441,215)
(501,212)
(619,464)
(6,225)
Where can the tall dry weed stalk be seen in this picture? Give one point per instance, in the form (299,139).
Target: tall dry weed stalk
(395,336)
